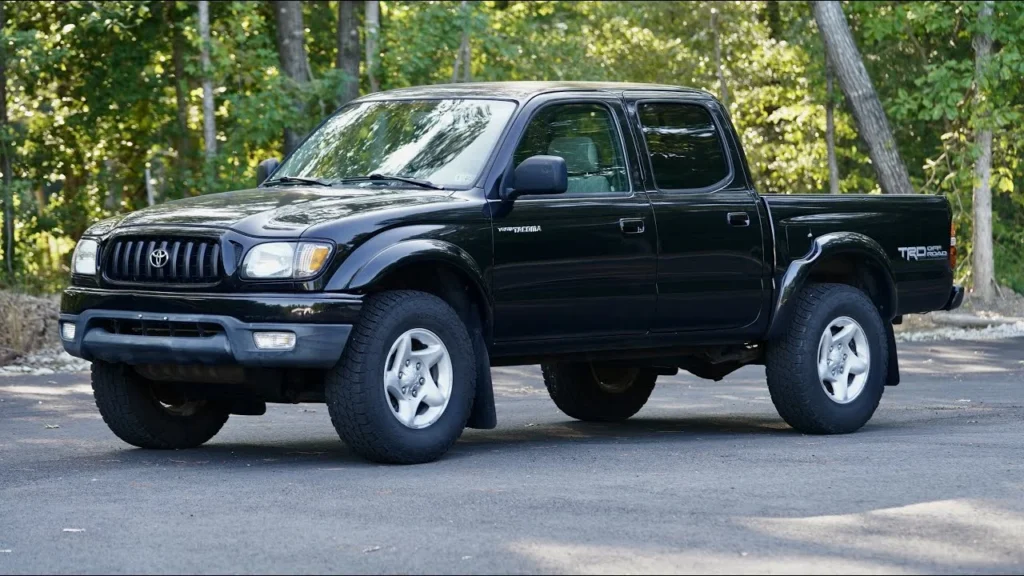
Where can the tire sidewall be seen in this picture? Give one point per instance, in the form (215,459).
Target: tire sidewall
(417,313)
(574,388)
(851,303)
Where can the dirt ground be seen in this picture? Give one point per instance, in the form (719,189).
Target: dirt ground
(1007,304)
(27,324)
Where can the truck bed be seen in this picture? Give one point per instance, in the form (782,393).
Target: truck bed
(913,231)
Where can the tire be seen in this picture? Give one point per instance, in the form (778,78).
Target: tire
(803,398)
(365,415)
(143,414)
(579,391)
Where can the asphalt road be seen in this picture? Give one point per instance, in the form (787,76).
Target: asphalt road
(706,478)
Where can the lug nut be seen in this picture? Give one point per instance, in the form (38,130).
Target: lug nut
(414,393)
(401,375)
(404,388)
(421,380)
(406,362)
(417,365)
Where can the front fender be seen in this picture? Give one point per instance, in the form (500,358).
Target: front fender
(823,248)
(410,252)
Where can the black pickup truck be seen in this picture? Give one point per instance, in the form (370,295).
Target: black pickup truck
(610,232)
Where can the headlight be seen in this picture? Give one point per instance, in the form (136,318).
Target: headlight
(285,260)
(84,259)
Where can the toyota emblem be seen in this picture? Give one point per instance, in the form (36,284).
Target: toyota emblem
(159,257)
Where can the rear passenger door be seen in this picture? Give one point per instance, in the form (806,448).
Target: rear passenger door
(711,266)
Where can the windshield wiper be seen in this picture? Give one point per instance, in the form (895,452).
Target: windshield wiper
(396,178)
(298,180)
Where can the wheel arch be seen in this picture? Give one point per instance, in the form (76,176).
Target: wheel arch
(430,265)
(450,273)
(843,258)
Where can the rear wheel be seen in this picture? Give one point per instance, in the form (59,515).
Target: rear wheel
(152,415)
(403,389)
(598,392)
(826,375)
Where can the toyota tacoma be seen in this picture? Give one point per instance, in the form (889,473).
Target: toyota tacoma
(611,233)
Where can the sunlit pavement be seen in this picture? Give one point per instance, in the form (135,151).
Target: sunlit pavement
(705,478)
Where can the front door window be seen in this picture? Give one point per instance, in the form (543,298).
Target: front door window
(584,135)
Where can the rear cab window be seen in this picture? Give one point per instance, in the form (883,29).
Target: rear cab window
(684,145)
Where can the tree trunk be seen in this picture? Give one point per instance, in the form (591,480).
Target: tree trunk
(718,59)
(773,17)
(983,262)
(291,51)
(860,93)
(372,32)
(348,50)
(464,57)
(830,130)
(5,150)
(150,195)
(209,125)
(180,87)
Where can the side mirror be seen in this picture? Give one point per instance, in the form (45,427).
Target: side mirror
(265,169)
(538,175)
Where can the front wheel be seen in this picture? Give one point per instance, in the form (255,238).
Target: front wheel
(598,392)
(826,375)
(150,414)
(403,389)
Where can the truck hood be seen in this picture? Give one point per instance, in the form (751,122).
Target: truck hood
(281,211)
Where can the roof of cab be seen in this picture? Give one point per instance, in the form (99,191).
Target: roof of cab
(520,91)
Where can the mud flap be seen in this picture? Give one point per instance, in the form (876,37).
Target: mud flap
(893,376)
(483,416)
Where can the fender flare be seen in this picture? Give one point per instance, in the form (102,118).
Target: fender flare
(372,268)
(824,247)
(413,251)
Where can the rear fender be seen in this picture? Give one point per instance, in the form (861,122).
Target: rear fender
(866,252)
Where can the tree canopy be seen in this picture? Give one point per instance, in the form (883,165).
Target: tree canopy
(101,96)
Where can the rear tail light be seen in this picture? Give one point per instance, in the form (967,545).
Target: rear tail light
(952,246)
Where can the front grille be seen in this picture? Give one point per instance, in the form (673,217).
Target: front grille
(187,261)
(174,329)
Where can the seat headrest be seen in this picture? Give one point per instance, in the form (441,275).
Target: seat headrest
(580,153)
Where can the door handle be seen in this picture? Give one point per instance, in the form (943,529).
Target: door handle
(739,219)
(631,225)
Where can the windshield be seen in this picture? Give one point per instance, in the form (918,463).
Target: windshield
(444,142)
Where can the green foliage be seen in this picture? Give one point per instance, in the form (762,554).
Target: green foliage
(93,94)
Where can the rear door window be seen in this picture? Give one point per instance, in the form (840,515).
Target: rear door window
(684,144)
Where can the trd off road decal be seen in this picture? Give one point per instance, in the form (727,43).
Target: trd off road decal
(911,253)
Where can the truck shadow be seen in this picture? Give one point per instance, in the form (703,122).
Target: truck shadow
(330,451)
(637,429)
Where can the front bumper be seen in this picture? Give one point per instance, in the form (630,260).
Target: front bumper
(321,324)
(956,298)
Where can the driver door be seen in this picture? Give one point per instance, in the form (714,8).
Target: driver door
(581,264)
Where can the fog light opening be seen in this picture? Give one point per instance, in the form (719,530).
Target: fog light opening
(274,340)
(67,330)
